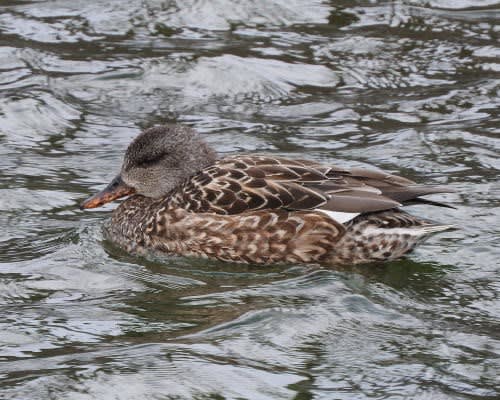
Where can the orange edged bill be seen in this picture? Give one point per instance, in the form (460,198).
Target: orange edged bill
(116,189)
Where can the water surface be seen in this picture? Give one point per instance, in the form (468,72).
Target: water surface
(409,86)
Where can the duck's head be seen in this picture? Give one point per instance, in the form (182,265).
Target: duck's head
(156,162)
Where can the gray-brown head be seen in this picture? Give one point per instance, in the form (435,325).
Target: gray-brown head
(156,162)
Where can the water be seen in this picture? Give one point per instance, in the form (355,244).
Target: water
(410,86)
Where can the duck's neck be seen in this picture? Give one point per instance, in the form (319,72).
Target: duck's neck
(128,223)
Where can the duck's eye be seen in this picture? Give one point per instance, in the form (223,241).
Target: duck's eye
(150,160)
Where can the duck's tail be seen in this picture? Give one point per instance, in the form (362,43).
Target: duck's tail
(382,236)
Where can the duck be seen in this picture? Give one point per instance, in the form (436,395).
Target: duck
(182,199)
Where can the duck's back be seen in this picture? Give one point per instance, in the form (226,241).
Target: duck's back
(238,184)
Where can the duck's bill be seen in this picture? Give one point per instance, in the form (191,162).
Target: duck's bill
(116,189)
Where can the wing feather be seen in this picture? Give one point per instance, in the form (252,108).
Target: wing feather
(244,183)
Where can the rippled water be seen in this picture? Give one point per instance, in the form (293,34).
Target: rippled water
(410,86)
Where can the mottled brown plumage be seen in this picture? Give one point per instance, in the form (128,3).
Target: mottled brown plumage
(259,208)
(254,182)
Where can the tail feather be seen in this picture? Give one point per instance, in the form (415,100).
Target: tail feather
(430,229)
(419,200)
(408,193)
(417,232)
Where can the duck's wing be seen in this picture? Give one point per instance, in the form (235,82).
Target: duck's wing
(244,183)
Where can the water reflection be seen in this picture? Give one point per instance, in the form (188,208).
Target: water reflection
(409,86)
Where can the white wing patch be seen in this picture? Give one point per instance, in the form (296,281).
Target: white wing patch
(341,217)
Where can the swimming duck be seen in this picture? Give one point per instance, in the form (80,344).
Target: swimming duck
(257,208)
